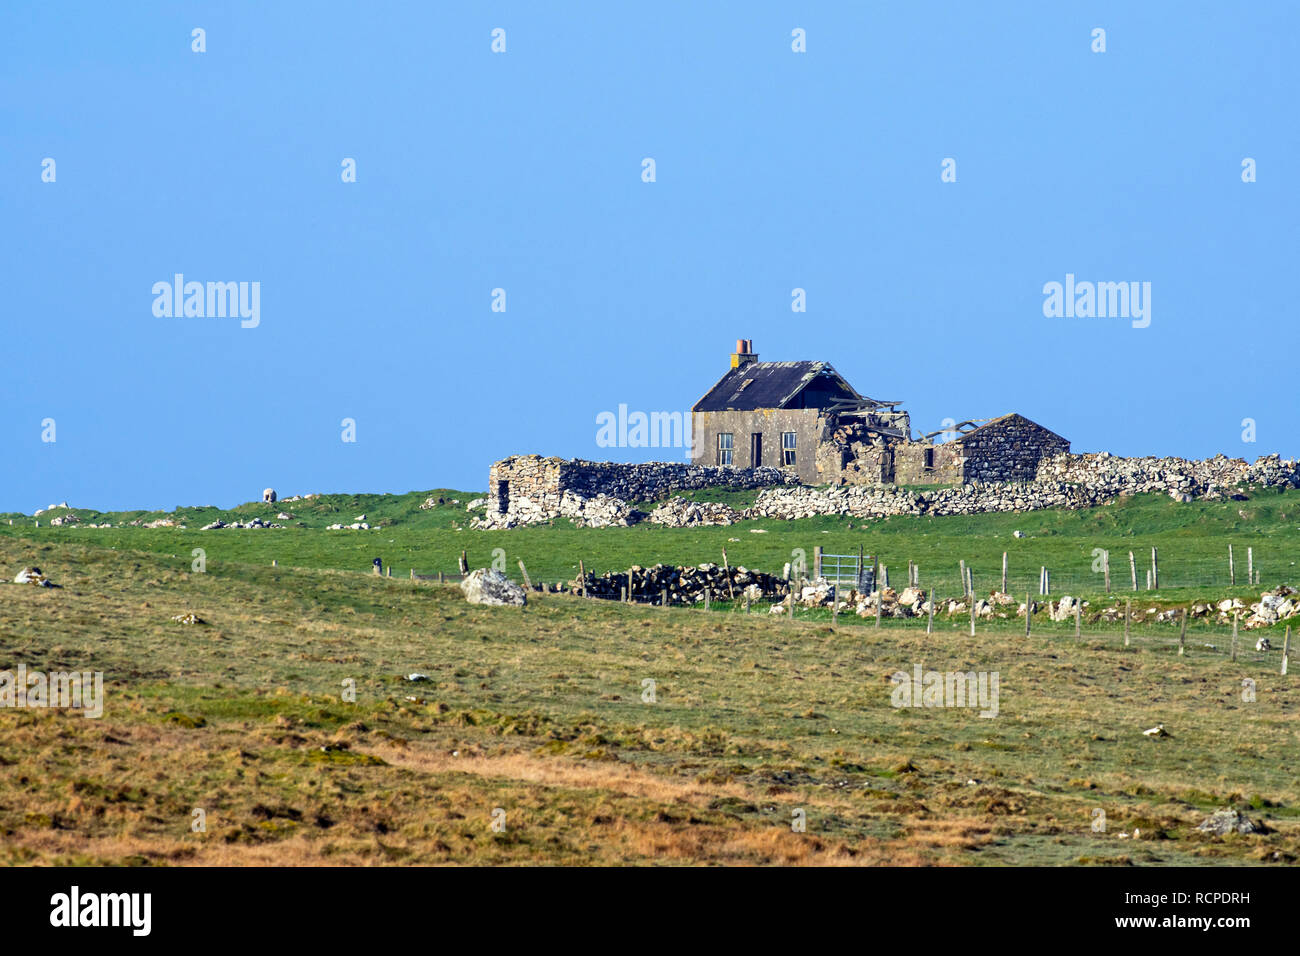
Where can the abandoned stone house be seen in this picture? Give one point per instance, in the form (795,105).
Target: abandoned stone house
(806,419)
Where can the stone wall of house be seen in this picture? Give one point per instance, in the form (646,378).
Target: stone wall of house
(807,424)
(946,468)
(1008,449)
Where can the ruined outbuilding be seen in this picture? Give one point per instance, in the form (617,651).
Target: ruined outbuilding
(806,419)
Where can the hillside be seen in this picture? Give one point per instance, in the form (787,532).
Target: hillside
(1192,540)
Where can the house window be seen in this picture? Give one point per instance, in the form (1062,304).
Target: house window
(929,459)
(724,448)
(787,449)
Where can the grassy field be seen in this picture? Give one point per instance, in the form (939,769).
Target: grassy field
(1192,540)
(536,719)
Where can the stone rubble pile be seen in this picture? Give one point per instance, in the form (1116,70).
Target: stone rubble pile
(601,511)
(685,585)
(682,513)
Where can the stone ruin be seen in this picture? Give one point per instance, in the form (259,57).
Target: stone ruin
(528,489)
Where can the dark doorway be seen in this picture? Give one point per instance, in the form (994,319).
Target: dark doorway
(756,449)
(503,496)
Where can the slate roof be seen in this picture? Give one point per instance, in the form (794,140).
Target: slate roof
(766,385)
(1004,419)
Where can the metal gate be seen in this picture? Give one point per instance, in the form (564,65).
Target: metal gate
(849,569)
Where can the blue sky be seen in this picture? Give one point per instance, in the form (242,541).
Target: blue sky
(522,170)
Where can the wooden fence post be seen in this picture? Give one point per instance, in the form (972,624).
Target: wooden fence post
(1232,569)
(731,587)
(1105,565)
(1133,569)
(1250,564)
(528,585)
(880,601)
(1029,613)
(706,598)
(629,585)
(622,595)
(412,574)
(929,620)
(972,615)
(961,568)
(1182,635)
(582,576)
(1128,616)
(1004,572)
(664,600)
(1078,617)
(464,563)
(1155,568)
(1234,634)
(1286,647)
(817,562)
(440,577)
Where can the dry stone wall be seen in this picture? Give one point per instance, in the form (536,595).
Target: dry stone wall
(1066,481)
(530,489)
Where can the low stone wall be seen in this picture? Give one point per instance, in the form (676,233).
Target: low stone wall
(1066,481)
(528,489)
(655,480)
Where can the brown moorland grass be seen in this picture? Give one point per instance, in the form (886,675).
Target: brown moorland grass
(539,714)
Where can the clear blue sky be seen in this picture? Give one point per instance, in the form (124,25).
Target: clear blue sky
(522,171)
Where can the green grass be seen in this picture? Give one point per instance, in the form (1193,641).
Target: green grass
(1192,540)
(539,712)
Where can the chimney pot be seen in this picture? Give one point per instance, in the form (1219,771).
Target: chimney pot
(744,353)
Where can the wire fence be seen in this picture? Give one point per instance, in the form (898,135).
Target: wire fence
(1096,574)
(1199,638)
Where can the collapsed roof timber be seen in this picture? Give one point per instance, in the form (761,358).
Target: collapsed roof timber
(805,418)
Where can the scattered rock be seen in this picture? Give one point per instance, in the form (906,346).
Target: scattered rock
(1223,822)
(490,586)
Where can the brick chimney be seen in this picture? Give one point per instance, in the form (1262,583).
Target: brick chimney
(744,353)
